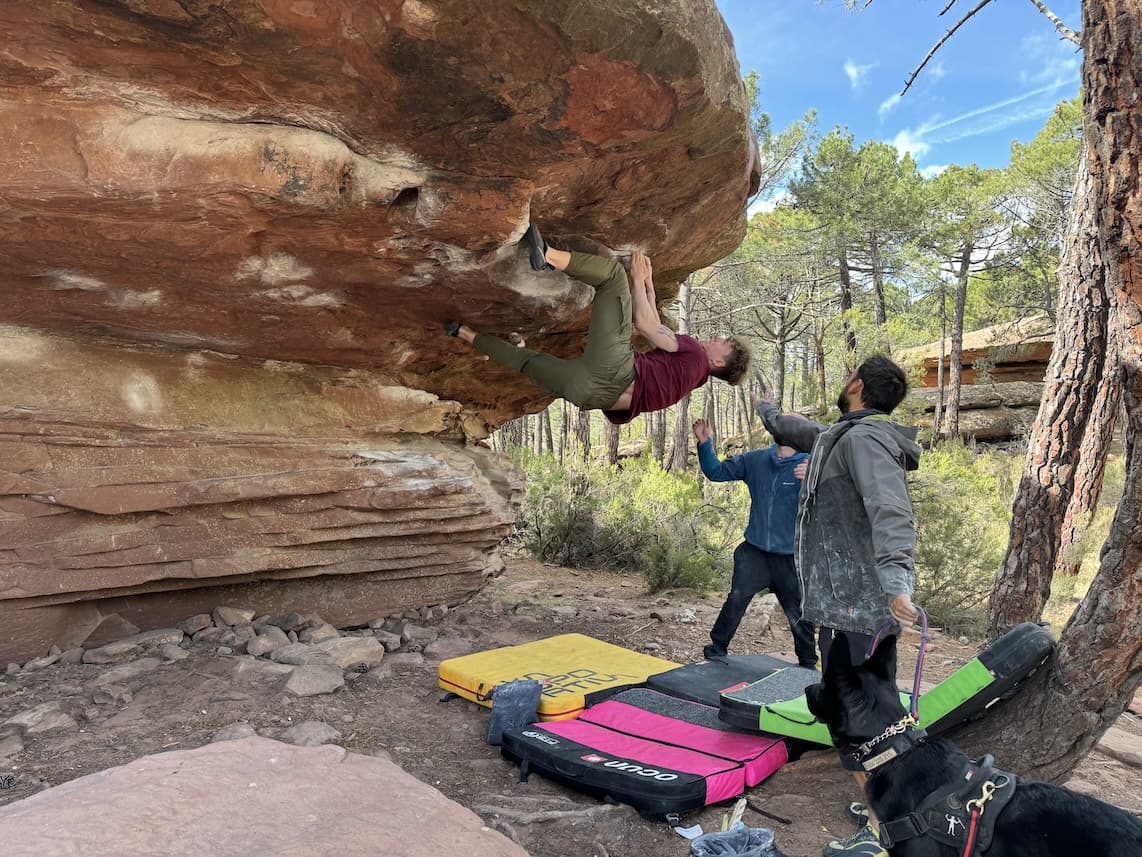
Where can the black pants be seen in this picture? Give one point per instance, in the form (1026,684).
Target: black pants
(858,645)
(755,570)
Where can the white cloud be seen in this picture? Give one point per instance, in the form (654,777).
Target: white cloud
(937,71)
(857,73)
(909,143)
(1035,104)
(930,172)
(1050,61)
(888,105)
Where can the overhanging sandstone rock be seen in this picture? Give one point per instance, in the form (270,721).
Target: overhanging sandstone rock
(232,231)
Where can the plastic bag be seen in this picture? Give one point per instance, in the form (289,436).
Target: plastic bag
(742,842)
(514,704)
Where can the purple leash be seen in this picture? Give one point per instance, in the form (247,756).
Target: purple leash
(925,637)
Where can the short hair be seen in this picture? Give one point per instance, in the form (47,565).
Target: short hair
(885,384)
(737,364)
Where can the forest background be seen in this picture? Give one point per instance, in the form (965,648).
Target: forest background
(862,255)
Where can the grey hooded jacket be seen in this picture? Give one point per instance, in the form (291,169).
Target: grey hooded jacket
(856,533)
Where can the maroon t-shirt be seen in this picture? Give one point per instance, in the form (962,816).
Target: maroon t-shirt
(662,378)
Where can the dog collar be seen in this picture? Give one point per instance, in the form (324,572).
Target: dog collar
(895,740)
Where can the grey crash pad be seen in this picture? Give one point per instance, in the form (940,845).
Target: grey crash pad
(253,797)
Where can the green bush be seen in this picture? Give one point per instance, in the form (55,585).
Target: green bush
(961,499)
(632,517)
(637,518)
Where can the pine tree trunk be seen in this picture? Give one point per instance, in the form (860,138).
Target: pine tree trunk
(846,306)
(1093,453)
(612,436)
(739,403)
(564,424)
(680,449)
(583,433)
(547,430)
(938,420)
(819,363)
(1050,726)
(1073,377)
(658,436)
(957,358)
(806,374)
(680,443)
(779,372)
(878,289)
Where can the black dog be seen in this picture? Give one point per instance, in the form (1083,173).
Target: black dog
(924,790)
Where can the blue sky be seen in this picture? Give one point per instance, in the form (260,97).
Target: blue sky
(997,79)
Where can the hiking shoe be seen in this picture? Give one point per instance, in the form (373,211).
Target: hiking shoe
(536,248)
(711,653)
(857,813)
(452,328)
(864,843)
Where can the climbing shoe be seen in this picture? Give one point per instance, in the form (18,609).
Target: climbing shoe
(536,248)
(864,843)
(857,813)
(452,328)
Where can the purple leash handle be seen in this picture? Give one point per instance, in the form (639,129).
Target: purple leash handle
(925,637)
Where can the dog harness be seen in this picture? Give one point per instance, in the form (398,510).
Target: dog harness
(961,815)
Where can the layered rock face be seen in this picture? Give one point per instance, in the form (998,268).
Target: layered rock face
(232,231)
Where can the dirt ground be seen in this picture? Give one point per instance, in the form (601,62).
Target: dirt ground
(397,710)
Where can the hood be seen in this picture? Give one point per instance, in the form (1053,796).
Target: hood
(903,437)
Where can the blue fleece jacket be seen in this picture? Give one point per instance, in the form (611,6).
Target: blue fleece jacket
(773,491)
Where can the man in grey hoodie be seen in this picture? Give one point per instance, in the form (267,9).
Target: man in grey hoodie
(856,533)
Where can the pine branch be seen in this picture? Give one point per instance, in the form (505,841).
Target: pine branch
(940,43)
(1066,32)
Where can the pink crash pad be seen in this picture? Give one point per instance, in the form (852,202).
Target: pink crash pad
(253,796)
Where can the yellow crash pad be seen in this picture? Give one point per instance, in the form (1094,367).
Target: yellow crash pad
(576,671)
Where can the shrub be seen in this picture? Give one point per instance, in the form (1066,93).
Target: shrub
(631,517)
(962,504)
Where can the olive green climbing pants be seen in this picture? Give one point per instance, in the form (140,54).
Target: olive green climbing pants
(595,380)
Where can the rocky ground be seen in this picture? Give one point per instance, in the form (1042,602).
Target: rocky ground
(373,690)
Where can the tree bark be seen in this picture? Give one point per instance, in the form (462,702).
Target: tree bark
(547,430)
(938,420)
(681,441)
(957,358)
(680,446)
(1023,583)
(564,423)
(739,402)
(1047,730)
(819,364)
(1091,468)
(612,436)
(806,374)
(878,285)
(658,435)
(779,372)
(583,433)
(846,306)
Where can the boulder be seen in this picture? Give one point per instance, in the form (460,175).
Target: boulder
(231,237)
(248,796)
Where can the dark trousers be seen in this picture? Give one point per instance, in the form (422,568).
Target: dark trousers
(597,379)
(754,571)
(858,645)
